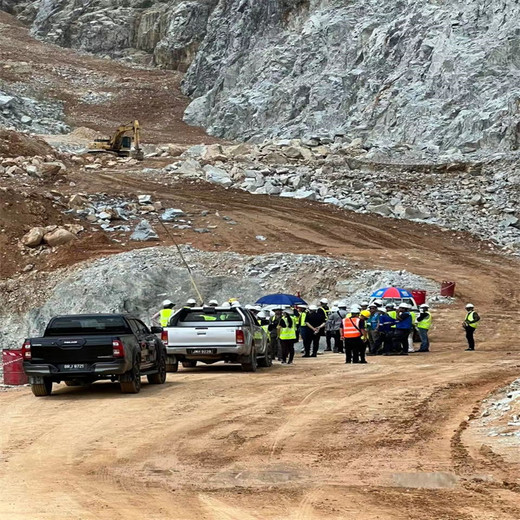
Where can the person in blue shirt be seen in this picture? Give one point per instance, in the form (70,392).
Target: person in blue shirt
(403,327)
(385,332)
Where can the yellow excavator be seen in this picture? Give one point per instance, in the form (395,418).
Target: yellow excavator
(121,144)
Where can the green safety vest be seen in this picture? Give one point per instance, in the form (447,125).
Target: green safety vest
(392,314)
(469,317)
(414,318)
(266,328)
(326,311)
(288,332)
(164,317)
(303,318)
(295,320)
(426,323)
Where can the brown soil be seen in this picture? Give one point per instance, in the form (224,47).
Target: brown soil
(15,144)
(151,96)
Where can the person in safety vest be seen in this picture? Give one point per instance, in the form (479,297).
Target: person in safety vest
(315,322)
(302,330)
(354,334)
(163,316)
(274,323)
(333,328)
(371,324)
(325,309)
(403,326)
(190,303)
(287,335)
(470,324)
(424,323)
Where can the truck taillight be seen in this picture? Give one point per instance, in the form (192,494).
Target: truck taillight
(240,339)
(26,350)
(164,337)
(118,350)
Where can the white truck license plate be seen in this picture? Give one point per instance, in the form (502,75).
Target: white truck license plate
(202,351)
(77,366)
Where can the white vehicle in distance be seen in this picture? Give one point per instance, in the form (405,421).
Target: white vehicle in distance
(211,334)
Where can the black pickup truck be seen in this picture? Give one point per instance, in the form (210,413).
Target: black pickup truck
(83,348)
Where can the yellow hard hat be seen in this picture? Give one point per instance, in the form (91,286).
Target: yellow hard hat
(231,300)
(366,314)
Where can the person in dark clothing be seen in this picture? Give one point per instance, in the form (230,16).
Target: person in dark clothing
(333,328)
(470,325)
(274,323)
(385,333)
(403,327)
(315,321)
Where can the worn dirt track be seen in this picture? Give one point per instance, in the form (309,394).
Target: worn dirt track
(319,440)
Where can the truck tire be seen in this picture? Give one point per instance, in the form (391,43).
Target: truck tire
(189,364)
(267,360)
(251,364)
(133,386)
(42,389)
(172,367)
(160,377)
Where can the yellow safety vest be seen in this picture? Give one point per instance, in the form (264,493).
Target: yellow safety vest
(295,320)
(164,317)
(392,314)
(469,317)
(288,332)
(326,311)
(414,318)
(303,318)
(426,323)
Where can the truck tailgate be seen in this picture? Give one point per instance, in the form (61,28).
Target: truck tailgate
(89,349)
(203,336)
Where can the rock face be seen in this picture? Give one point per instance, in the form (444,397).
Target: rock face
(439,74)
(432,75)
(166,33)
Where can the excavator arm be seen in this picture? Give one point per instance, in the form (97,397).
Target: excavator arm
(116,143)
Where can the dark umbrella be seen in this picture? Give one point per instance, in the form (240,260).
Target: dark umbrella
(281,299)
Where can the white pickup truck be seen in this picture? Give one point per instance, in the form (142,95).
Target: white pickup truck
(211,334)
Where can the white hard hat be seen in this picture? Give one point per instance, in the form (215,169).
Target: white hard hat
(342,305)
(226,305)
(289,310)
(355,309)
(378,303)
(390,304)
(335,308)
(364,303)
(235,304)
(249,307)
(335,303)
(404,305)
(191,301)
(313,307)
(263,314)
(213,303)
(424,306)
(469,306)
(167,302)
(373,304)
(324,300)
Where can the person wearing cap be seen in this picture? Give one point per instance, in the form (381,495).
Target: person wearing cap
(403,327)
(470,324)
(333,328)
(163,316)
(213,303)
(363,306)
(287,335)
(385,329)
(354,334)
(315,321)
(424,323)
(371,325)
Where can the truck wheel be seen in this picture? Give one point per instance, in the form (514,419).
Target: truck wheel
(42,389)
(172,367)
(189,364)
(266,361)
(134,385)
(251,364)
(160,377)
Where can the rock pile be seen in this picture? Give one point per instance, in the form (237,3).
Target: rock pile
(479,196)
(26,113)
(51,235)
(37,167)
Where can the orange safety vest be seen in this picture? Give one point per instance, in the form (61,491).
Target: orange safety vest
(351,328)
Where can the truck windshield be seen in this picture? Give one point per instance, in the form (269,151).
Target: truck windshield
(198,316)
(84,325)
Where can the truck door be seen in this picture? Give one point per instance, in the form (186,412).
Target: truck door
(151,342)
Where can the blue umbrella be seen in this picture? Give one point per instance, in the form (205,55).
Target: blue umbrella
(281,299)
(391,292)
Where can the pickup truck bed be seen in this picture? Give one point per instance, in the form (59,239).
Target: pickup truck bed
(81,349)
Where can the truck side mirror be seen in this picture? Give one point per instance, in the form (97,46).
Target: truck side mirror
(156,330)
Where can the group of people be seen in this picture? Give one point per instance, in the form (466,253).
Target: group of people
(366,329)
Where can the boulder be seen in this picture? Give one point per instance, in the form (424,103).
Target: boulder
(218,176)
(58,237)
(144,232)
(144,199)
(77,201)
(380,209)
(171,214)
(33,238)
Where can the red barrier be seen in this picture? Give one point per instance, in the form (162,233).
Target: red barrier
(447,288)
(13,367)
